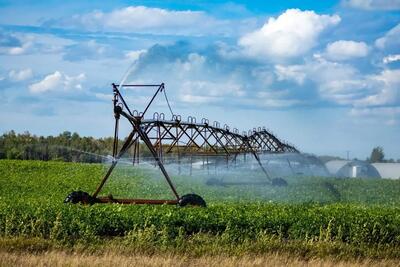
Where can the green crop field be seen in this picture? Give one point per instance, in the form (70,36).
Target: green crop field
(345,218)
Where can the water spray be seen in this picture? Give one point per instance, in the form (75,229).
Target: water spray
(181,139)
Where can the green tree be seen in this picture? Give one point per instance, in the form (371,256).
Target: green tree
(377,155)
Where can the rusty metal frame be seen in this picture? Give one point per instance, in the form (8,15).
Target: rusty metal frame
(183,138)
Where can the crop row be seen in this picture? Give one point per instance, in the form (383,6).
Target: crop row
(336,222)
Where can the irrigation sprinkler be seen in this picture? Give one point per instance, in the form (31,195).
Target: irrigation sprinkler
(180,138)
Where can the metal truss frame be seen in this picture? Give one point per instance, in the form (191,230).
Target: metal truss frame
(175,136)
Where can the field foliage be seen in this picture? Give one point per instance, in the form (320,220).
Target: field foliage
(362,215)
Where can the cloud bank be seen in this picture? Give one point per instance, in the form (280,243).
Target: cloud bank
(57,81)
(291,34)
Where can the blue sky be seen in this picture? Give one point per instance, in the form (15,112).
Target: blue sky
(323,75)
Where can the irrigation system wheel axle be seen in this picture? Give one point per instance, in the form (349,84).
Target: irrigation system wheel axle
(80,197)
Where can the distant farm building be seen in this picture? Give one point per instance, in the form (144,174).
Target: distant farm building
(388,170)
(363,169)
(352,169)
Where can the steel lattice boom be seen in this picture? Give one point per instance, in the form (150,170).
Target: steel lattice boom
(192,138)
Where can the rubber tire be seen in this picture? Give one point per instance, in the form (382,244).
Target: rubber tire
(76,197)
(279,182)
(192,200)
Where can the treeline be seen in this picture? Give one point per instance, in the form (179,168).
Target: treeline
(69,146)
(66,146)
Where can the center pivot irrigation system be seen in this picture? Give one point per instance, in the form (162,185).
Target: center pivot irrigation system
(180,138)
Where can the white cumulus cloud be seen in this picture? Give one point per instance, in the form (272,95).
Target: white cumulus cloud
(391,58)
(291,34)
(20,50)
(343,50)
(343,84)
(58,81)
(391,40)
(294,72)
(148,20)
(385,87)
(338,83)
(20,75)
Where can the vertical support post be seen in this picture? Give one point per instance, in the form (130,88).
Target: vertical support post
(117,114)
(134,154)
(160,150)
(115,145)
(137,151)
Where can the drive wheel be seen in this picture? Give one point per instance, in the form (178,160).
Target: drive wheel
(279,182)
(76,197)
(192,200)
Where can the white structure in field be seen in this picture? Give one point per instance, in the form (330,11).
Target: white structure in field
(388,170)
(352,169)
(363,169)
